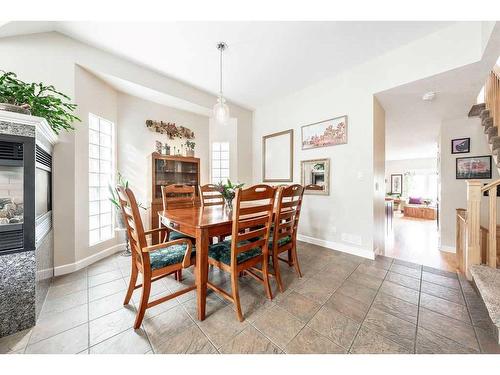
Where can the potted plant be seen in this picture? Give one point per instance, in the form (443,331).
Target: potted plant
(190,148)
(228,192)
(37,99)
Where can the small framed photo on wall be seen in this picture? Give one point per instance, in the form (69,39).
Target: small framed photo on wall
(396,184)
(460,146)
(475,167)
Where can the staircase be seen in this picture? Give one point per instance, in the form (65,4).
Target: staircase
(478,249)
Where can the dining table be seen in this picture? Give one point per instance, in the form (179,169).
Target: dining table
(202,224)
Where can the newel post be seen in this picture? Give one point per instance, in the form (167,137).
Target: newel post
(472,247)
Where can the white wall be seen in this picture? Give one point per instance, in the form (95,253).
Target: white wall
(453,191)
(347,219)
(53,58)
(136,142)
(407,165)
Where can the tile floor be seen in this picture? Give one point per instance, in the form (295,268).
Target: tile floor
(343,304)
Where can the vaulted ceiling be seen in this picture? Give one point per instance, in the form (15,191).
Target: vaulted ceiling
(265,60)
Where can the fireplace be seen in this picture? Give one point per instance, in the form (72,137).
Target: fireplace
(26,235)
(16,194)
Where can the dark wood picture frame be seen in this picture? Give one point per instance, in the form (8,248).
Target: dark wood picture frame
(392,184)
(470,176)
(460,139)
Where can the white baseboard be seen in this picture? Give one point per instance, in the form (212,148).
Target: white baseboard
(72,267)
(448,249)
(337,246)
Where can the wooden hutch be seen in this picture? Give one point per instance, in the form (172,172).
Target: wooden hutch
(167,170)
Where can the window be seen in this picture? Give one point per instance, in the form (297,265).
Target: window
(101,173)
(421,184)
(220,161)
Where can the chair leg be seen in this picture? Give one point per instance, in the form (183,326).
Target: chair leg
(131,284)
(146,289)
(296,261)
(265,276)
(236,294)
(290,258)
(277,272)
(179,275)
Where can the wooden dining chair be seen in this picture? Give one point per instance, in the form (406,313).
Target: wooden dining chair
(210,196)
(248,246)
(152,262)
(284,231)
(177,196)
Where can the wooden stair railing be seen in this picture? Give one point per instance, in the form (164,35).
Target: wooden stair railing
(492,95)
(476,244)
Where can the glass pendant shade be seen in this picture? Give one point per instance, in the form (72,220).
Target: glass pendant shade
(221,111)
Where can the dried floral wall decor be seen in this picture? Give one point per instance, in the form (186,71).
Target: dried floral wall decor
(170,129)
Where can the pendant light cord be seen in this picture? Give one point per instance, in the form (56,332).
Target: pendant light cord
(221,50)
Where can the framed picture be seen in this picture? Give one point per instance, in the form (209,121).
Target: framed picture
(277,157)
(460,146)
(325,133)
(396,184)
(474,167)
(315,176)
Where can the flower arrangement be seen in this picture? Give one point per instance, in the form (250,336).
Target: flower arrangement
(40,100)
(228,192)
(170,129)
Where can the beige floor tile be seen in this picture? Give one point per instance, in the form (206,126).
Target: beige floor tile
(250,341)
(407,281)
(106,305)
(105,265)
(299,306)
(441,280)
(335,326)
(399,291)
(107,289)
(222,325)
(455,330)
(278,325)
(52,324)
(358,292)
(103,278)
(348,306)
(392,327)
(449,294)
(70,277)
(60,290)
(189,341)
(397,307)
(309,341)
(111,324)
(407,271)
(369,342)
(371,270)
(167,324)
(214,304)
(68,301)
(431,343)
(365,280)
(317,289)
(130,341)
(16,342)
(487,341)
(71,341)
(444,307)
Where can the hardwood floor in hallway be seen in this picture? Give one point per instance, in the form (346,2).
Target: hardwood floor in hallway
(416,240)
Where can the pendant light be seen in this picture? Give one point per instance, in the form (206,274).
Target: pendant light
(221,110)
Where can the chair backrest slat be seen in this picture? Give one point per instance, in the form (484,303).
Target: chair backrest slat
(210,196)
(133,222)
(178,196)
(286,220)
(252,219)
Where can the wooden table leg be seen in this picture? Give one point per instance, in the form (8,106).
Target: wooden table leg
(201,270)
